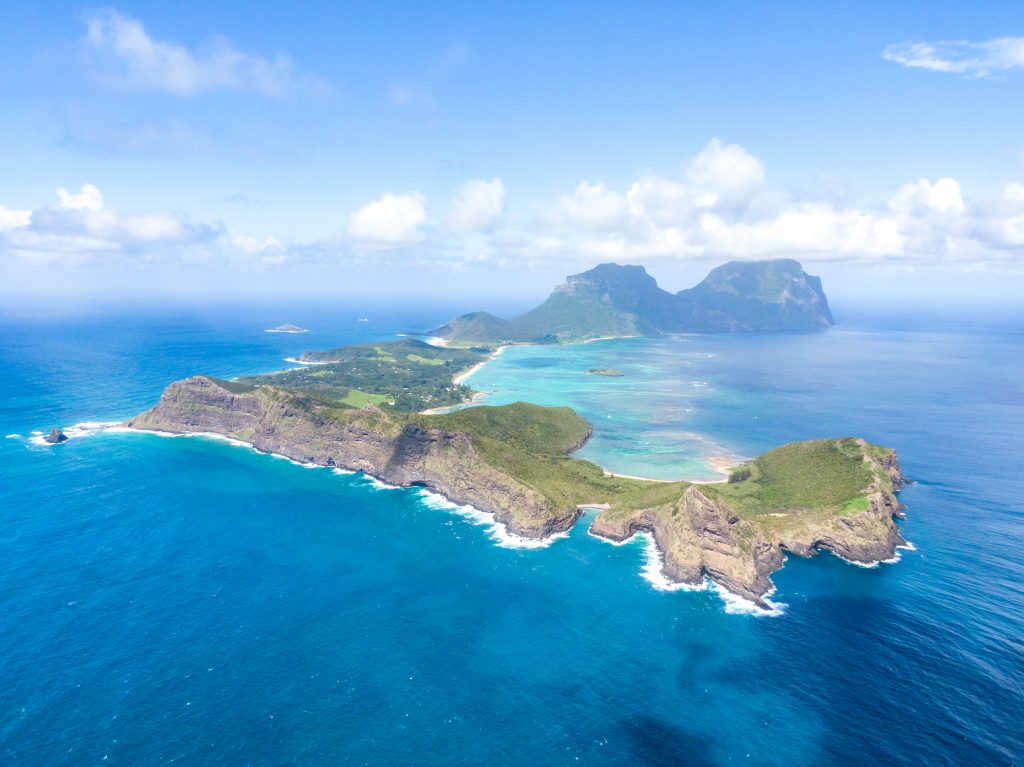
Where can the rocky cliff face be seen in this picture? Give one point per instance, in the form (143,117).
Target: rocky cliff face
(617,300)
(367,440)
(700,535)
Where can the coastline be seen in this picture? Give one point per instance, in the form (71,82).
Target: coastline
(653,570)
(458,379)
(497,530)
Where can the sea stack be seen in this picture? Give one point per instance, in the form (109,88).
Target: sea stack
(56,436)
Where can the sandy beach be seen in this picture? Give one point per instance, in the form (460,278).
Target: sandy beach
(463,376)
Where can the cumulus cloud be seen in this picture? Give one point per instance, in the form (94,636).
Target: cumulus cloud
(89,198)
(126,56)
(14,219)
(477,205)
(721,207)
(718,207)
(591,206)
(726,170)
(391,219)
(82,226)
(962,57)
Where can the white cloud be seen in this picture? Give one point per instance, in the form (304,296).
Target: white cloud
(722,209)
(128,57)
(591,206)
(658,201)
(962,57)
(694,215)
(727,170)
(392,219)
(82,226)
(14,219)
(269,249)
(89,198)
(477,205)
(923,197)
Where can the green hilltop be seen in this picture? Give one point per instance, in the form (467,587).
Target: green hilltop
(615,300)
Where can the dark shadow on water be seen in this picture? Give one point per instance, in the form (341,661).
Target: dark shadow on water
(658,742)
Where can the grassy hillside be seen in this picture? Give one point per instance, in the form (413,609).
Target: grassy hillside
(532,443)
(828,475)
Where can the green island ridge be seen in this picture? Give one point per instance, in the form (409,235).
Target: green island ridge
(368,408)
(615,300)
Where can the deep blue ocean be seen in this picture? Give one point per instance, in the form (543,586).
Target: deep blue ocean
(184,601)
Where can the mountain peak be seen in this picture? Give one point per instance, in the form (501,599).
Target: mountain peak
(624,300)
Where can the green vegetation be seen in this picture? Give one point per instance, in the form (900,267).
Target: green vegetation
(424,360)
(407,375)
(235,387)
(356,398)
(825,475)
(532,443)
(741,474)
(614,300)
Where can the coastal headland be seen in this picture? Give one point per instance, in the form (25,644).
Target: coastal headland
(386,409)
(514,462)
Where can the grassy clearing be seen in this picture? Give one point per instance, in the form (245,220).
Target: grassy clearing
(424,360)
(356,398)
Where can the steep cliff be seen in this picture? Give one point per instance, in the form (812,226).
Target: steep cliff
(616,300)
(513,461)
(711,532)
(370,440)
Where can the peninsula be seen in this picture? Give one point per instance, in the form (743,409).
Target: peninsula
(514,462)
(368,408)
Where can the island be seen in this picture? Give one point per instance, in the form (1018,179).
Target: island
(286,328)
(609,372)
(373,408)
(612,300)
(514,461)
(55,437)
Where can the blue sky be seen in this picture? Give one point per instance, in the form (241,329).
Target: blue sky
(486,147)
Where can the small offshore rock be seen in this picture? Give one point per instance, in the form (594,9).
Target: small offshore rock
(56,436)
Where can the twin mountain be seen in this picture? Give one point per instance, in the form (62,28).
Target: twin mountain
(616,300)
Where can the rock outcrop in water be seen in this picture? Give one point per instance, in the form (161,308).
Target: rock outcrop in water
(834,495)
(56,436)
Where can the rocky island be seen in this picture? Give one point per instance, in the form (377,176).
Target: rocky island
(615,300)
(286,328)
(55,437)
(514,462)
(608,372)
(369,408)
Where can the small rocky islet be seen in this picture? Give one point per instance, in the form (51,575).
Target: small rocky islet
(56,436)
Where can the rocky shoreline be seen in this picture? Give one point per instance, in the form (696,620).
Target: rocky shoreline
(698,533)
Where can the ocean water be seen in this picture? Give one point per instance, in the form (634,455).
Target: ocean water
(168,601)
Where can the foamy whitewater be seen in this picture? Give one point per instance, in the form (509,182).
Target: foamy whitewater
(177,600)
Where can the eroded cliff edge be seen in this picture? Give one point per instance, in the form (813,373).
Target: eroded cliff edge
(513,461)
(396,450)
